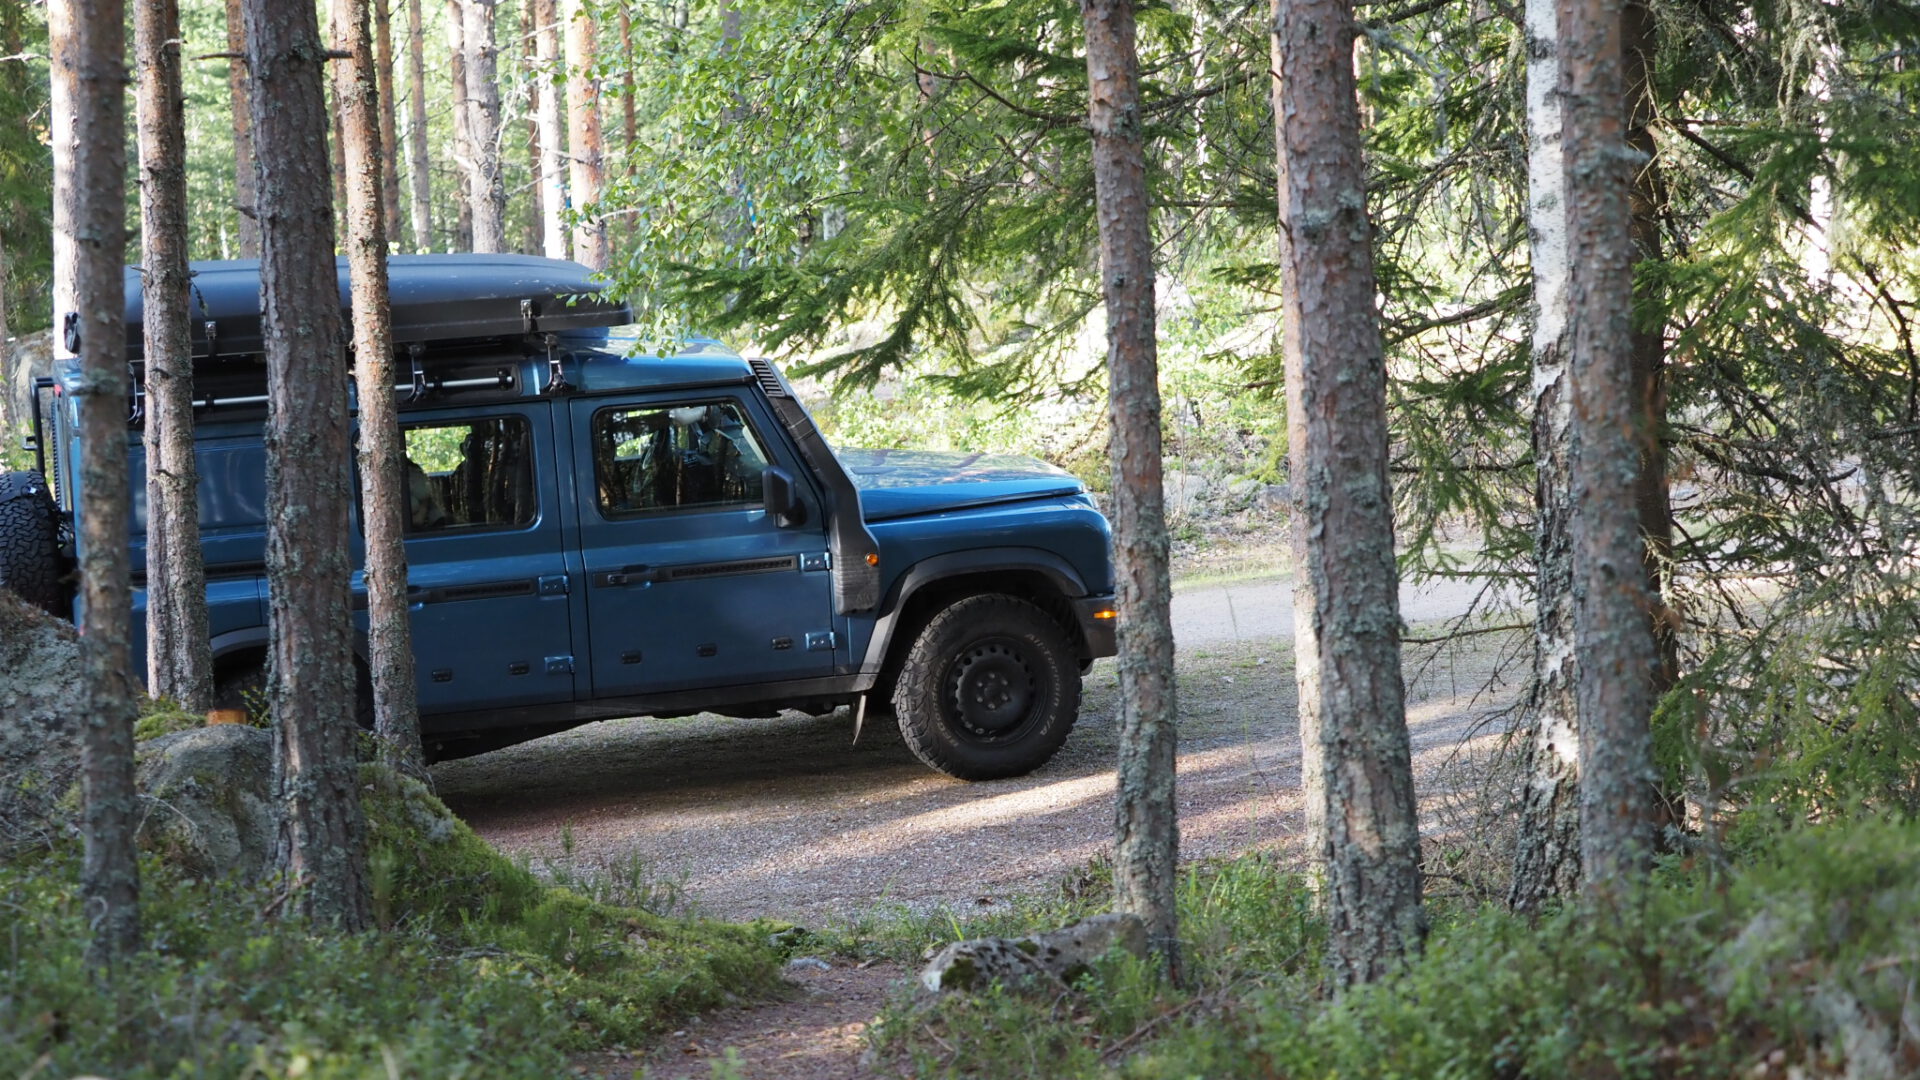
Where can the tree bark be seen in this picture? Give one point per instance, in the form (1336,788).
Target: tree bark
(546,113)
(88,40)
(1343,503)
(486,188)
(247,239)
(389,123)
(1547,855)
(396,715)
(179,660)
(421,180)
(588,151)
(1146,829)
(462,145)
(322,842)
(1616,659)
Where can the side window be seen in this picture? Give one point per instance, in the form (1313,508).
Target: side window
(472,475)
(651,458)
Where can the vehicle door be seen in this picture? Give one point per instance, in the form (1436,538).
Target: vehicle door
(690,582)
(487,580)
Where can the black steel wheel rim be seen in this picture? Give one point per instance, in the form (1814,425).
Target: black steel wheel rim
(993,690)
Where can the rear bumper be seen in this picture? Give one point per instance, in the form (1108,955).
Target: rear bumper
(1100,633)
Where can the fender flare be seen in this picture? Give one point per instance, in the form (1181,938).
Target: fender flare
(938,568)
(241,640)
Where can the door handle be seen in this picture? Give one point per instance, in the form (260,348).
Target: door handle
(639,574)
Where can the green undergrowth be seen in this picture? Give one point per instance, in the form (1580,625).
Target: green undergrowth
(1800,959)
(478,969)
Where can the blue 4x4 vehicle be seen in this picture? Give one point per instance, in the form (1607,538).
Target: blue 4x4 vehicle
(596,534)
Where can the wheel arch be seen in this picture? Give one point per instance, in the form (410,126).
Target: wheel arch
(1040,577)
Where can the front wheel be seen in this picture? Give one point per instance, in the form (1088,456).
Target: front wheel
(990,689)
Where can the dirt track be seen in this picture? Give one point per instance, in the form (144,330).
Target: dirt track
(784,818)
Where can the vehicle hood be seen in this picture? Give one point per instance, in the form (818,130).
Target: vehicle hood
(902,483)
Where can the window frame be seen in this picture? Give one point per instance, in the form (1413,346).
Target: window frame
(530,446)
(747,420)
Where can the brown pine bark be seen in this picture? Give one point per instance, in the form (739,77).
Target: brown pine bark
(588,151)
(552,164)
(420,182)
(247,239)
(389,123)
(179,661)
(88,41)
(381,448)
(486,187)
(1616,657)
(322,842)
(462,147)
(1343,503)
(1146,826)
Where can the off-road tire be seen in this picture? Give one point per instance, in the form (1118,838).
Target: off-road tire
(990,689)
(30,563)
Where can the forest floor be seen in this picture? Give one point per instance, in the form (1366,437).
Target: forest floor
(786,819)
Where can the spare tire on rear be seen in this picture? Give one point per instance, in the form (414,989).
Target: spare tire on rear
(30,562)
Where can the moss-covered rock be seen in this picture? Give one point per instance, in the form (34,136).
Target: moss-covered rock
(40,712)
(208,807)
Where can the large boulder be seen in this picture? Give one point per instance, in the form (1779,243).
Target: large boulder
(40,714)
(207,803)
(1054,958)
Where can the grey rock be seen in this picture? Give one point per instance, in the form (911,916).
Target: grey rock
(1275,497)
(1054,958)
(1183,492)
(41,710)
(208,807)
(1244,488)
(803,963)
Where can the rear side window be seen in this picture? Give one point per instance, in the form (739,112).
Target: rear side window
(654,458)
(477,474)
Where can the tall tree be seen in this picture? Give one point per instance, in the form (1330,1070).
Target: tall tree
(1147,847)
(552,166)
(1615,655)
(486,186)
(179,657)
(1349,660)
(247,239)
(420,178)
(322,842)
(586,148)
(382,449)
(389,122)
(462,146)
(1547,855)
(88,39)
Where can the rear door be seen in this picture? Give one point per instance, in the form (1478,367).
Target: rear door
(689,583)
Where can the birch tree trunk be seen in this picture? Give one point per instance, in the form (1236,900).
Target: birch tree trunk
(356,87)
(1547,855)
(239,94)
(421,180)
(546,114)
(88,42)
(322,841)
(486,188)
(584,142)
(179,660)
(1615,655)
(1343,504)
(462,145)
(1146,827)
(389,122)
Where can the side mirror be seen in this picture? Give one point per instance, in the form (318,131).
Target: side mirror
(782,500)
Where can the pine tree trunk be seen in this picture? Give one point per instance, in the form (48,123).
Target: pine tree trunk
(1616,659)
(247,239)
(1146,858)
(1547,855)
(389,123)
(588,152)
(382,450)
(322,842)
(88,40)
(486,188)
(546,115)
(179,661)
(1343,503)
(462,146)
(420,165)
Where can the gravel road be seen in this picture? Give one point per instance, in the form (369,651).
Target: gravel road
(785,818)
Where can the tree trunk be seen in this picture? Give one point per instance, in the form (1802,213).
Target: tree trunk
(486,188)
(1615,656)
(462,147)
(1343,503)
(546,115)
(1547,855)
(629,119)
(382,451)
(421,180)
(179,661)
(1147,847)
(389,123)
(588,152)
(88,41)
(247,245)
(322,842)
